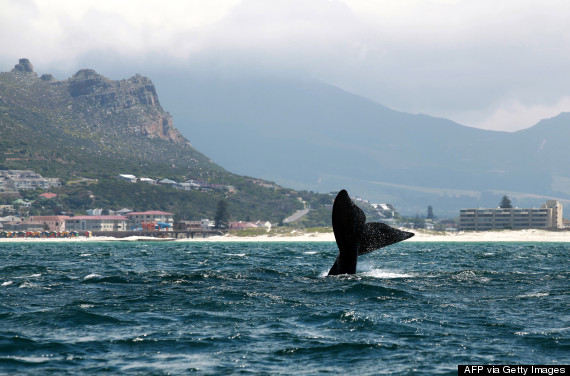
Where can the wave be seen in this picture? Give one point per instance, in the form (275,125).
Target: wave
(385,274)
(23,270)
(177,310)
(65,317)
(371,273)
(97,278)
(533,295)
(91,276)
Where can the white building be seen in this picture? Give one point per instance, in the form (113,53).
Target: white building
(129,178)
(265,224)
(94,211)
(17,180)
(166,181)
(96,223)
(385,210)
(136,219)
(549,216)
(147,180)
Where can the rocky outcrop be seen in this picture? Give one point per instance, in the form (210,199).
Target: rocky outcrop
(23,66)
(101,91)
(129,104)
(48,77)
(89,120)
(121,108)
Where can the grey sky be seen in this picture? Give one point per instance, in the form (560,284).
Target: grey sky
(492,64)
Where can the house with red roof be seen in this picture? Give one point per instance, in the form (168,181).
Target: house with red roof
(54,222)
(48,195)
(242,225)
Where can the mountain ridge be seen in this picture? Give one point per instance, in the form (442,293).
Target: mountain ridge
(312,135)
(89,126)
(302,134)
(90,114)
(101,96)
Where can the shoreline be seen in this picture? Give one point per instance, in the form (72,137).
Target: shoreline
(522,236)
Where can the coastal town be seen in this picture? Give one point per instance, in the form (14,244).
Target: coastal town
(16,221)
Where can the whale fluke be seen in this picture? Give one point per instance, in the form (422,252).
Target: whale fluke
(355,237)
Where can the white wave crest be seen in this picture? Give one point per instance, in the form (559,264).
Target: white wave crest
(384,274)
(374,273)
(26,285)
(93,275)
(533,295)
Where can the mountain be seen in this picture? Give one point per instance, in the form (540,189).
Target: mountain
(302,134)
(311,135)
(88,126)
(546,144)
(89,115)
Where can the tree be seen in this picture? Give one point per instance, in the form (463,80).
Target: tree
(430,213)
(439,226)
(419,222)
(505,203)
(222,217)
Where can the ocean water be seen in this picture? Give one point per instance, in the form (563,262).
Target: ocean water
(268,308)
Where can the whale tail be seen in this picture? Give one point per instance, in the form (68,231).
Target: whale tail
(355,237)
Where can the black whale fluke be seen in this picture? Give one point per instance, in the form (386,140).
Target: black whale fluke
(354,237)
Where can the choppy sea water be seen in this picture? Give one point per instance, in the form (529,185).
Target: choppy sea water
(268,308)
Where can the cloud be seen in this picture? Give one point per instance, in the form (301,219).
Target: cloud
(304,35)
(513,115)
(450,58)
(63,30)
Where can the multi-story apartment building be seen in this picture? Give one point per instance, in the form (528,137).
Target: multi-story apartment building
(136,219)
(549,216)
(17,180)
(96,223)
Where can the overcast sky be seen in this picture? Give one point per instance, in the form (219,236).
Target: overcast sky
(491,64)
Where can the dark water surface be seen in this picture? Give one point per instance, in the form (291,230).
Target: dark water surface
(267,308)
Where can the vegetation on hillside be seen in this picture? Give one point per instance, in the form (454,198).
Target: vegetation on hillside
(89,135)
(115,194)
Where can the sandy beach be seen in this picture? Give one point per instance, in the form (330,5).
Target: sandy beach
(420,236)
(530,235)
(300,236)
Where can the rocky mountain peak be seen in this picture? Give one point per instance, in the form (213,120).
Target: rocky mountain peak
(115,108)
(24,66)
(140,80)
(132,104)
(48,77)
(88,82)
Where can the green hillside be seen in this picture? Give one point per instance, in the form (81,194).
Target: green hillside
(88,129)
